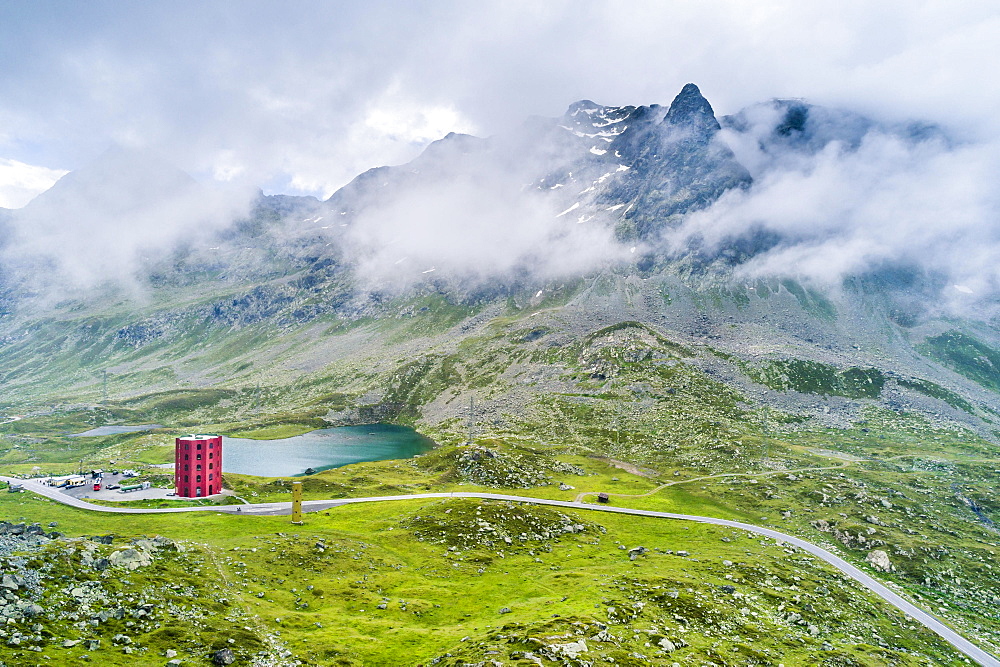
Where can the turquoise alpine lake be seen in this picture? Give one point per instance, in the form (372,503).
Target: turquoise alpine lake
(321,450)
(114,430)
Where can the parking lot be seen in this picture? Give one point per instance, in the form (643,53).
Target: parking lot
(87,490)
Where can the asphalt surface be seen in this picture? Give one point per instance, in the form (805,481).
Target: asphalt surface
(87,490)
(271,509)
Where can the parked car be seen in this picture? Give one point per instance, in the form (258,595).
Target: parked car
(112,487)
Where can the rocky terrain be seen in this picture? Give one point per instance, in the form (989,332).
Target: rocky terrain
(76,599)
(283,308)
(860,414)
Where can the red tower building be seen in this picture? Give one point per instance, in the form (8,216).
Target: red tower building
(198,465)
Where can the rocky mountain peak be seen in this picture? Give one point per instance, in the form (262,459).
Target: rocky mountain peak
(583,106)
(690,108)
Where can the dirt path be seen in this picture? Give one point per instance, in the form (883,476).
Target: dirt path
(583,494)
(848,460)
(628,467)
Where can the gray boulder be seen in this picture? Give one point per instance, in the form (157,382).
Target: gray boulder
(879,560)
(130,559)
(223,657)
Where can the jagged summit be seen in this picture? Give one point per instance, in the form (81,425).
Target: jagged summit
(633,167)
(453,144)
(690,108)
(468,241)
(583,106)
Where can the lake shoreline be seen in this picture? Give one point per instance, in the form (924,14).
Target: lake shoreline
(321,449)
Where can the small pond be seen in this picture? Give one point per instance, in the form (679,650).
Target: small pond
(321,450)
(114,430)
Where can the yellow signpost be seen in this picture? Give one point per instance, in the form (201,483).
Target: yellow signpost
(297,503)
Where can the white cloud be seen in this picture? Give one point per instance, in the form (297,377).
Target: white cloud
(20,182)
(105,222)
(843,212)
(475,228)
(393,117)
(304,101)
(313,97)
(227,166)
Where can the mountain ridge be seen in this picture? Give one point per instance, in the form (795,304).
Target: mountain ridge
(576,308)
(280,292)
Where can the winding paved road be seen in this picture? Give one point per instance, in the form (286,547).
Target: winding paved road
(927,619)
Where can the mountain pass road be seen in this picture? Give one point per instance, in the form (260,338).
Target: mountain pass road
(271,509)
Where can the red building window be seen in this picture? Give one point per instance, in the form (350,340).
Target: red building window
(198,479)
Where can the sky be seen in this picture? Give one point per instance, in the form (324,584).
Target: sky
(300,97)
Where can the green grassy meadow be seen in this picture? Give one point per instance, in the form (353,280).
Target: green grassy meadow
(623,409)
(411,582)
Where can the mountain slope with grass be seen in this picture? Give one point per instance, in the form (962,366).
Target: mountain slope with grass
(533,303)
